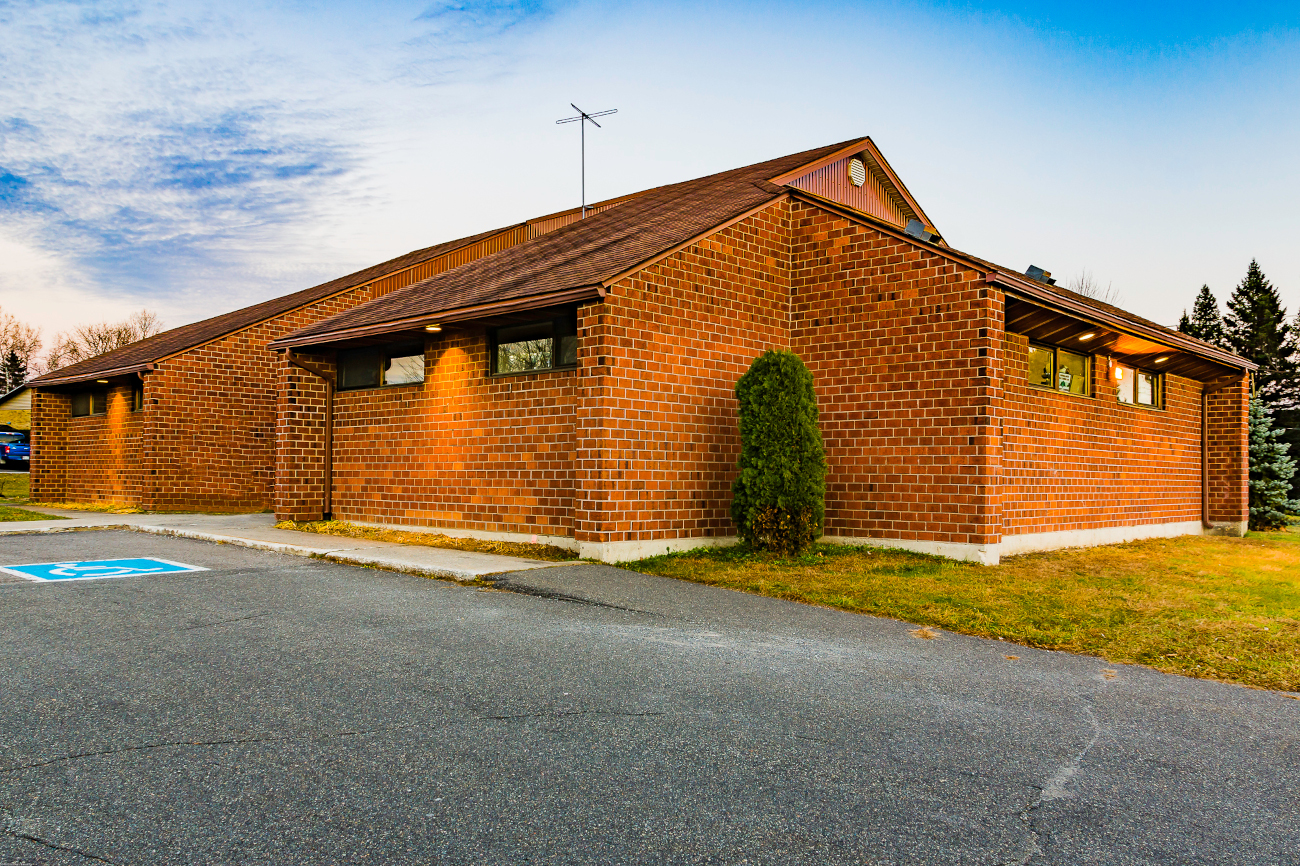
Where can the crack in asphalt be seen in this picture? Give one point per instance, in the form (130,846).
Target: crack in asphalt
(53,846)
(319,735)
(1053,789)
(555,595)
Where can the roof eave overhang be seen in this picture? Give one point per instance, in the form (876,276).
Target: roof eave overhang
(458,314)
(1036,293)
(54,380)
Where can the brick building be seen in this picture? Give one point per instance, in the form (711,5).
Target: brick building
(185,420)
(577,387)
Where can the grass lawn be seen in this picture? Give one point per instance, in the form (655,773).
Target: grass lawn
(547,552)
(1220,608)
(15,485)
(8,514)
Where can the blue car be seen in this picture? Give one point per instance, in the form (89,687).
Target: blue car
(16,450)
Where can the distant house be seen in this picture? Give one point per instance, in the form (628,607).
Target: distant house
(16,408)
(571,380)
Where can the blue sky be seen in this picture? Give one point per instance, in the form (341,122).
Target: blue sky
(194,158)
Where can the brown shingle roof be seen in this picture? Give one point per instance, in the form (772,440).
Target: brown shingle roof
(152,349)
(584,254)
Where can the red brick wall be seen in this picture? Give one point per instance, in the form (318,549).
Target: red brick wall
(1229,453)
(1072,462)
(300,489)
(899,340)
(213,425)
(93,458)
(658,440)
(206,438)
(51,413)
(464,450)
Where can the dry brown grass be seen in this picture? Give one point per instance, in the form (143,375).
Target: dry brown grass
(547,552)
(1221,608)
(97,507)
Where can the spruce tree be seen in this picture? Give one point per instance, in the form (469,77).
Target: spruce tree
(13,371)
(1271,471)
(1205,322)
(1255,327)
(779,497)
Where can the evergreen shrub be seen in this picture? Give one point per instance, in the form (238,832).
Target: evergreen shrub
(1270,472)
(779,498)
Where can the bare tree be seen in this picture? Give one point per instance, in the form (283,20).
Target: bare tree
(91,341)
(19,343)
(1085,284)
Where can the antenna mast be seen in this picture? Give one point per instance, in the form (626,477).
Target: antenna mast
(582,120)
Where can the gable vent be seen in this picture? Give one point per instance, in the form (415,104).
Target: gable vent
(1034,272)
(857,172)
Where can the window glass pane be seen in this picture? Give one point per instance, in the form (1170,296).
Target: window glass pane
(1126,379)
(404,370)
(359,368)
(81,404)
(524,347)
(566,338)
(1071,372)
(1146,389)
(137,399)
(98,402)
(1041,360)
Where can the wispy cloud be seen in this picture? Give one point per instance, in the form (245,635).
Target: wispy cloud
(140,147)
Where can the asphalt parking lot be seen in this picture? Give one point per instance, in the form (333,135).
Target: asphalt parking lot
(283,710)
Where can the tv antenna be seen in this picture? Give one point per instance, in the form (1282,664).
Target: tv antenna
(582,120)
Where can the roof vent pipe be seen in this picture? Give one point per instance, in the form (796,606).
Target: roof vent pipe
(1034,272)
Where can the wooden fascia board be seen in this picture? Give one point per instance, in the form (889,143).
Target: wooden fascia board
(808,167)
(897,182)
(1027,290)
(659,257)
(44,382)
(459,314)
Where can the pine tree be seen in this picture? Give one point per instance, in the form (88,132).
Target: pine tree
(13,371)
(1255,327)
(1271,471)
(1205,322)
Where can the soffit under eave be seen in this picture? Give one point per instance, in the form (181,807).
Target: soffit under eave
(1056,328)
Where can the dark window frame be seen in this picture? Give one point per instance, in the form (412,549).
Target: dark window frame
(563,326)
(137,398)
(1089,362)
(1159,383)
(98,403)
(383,354)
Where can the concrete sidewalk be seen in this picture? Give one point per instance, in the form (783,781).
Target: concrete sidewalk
(258,531)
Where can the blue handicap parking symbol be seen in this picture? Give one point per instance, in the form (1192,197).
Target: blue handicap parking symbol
(96,569)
